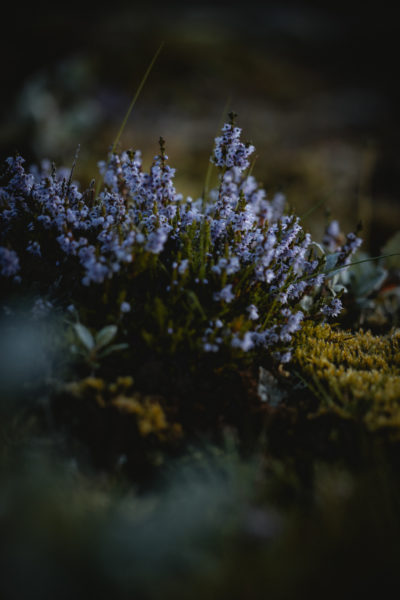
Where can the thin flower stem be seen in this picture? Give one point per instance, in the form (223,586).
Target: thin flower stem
(352,264)
(364,260)
(136,96)
(253,162)
(131,106)
(313,208)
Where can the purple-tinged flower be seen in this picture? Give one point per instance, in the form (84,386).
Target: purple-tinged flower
(208,347)
(125,307)
(283,357)
(333,309)
(229,151)
(253,312)
(333,237)
(245,343)
(266,338)
(156,241)
(183,266)
(20,183)
(293,324)
(349,248)
(225,294)
(33,247)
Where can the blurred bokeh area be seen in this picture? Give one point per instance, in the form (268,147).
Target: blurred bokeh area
(314,85)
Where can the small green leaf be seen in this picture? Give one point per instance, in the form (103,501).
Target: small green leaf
(331,262)
(84,336)
(106,335)
(370,283)
(319,248)
(113,348)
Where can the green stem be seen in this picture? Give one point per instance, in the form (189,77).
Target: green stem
(131,106)
(136,96)
(313,208)
(352,264)
(359,262)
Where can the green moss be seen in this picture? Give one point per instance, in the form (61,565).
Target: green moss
(355,375)
(146,411)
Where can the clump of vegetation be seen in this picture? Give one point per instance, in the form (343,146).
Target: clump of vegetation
(354,375)
(230,269)
(187,297)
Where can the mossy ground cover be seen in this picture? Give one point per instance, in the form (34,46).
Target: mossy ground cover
(356,375)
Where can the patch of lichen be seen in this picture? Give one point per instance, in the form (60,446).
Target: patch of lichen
(355,375)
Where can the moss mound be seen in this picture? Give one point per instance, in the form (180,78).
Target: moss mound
(355,375)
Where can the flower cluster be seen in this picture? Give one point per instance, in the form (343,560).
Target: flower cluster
(229,151)
(335,241)
(232,267)
(103,233)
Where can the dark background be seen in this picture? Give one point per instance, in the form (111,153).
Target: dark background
(316,89)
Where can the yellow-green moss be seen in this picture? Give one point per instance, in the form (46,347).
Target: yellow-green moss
(147,410)
(355,375)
